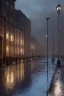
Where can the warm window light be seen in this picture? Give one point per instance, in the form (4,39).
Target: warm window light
(21,51)
(7,48)
(7,35)
(11,38)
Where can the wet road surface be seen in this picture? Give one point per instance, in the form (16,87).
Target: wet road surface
(57,84)
(25,79)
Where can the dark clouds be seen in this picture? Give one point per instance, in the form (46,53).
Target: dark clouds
(37,11)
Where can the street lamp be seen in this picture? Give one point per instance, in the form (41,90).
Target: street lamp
(58,8)
(47,54)
(53,47)
(53,51)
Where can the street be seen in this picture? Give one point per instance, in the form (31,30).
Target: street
(26,79)
(57,84)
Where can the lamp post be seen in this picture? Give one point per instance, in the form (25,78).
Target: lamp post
(53,51)
(53,47)
(58,8)
(47,54)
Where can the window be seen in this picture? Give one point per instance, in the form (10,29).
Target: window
(7,50)
(11,37)
(7,35)
(21,50)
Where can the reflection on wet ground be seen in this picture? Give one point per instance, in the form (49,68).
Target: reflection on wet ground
(57,84)
(25,79)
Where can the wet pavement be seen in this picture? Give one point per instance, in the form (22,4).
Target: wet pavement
(57,84)
(26,79)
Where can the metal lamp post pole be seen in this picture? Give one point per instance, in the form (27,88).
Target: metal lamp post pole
(58,38)
(53,47)
(47,54)
(58,8)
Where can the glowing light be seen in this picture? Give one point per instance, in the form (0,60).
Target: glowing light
(32,47)
(12,78)
(59,8)
(7,48)
(11,37)
(46,36)
(57,89)
(7,35)
(21,50)
(9,79)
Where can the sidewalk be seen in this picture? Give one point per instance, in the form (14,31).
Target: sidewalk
(57,83)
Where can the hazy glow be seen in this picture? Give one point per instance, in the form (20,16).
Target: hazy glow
(57,90)
(11,37)
(32,47)
(9,79)
(7,48)
(46,36)
(12,78)
(21,50)
(7,35)
(59,8)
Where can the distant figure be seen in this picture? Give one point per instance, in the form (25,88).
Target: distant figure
(58,64)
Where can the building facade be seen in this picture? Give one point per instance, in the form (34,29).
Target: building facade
(35,48)
(15,32)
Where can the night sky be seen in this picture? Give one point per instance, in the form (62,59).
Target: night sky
(37,11)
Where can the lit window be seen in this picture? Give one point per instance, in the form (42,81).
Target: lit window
(7,49)
(21,50)
(11,37)
(7,35)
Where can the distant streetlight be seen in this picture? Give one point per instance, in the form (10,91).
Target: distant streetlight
(46,36)
(47,54)
(58,8)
